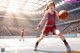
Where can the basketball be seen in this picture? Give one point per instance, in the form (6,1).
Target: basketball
(63,14)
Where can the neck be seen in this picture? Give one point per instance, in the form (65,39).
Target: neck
(52,12)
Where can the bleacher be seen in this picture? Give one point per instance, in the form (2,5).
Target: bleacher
(12,26)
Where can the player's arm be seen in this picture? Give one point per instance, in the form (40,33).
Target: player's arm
(58,16)
(42,21)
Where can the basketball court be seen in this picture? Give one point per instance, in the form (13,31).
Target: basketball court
(47,45)
(16,15)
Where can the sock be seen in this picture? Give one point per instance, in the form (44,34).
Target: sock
(36,44)
(65,42)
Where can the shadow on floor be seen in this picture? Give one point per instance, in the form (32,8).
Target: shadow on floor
(45,51)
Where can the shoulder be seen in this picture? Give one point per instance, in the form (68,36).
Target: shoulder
(46,13)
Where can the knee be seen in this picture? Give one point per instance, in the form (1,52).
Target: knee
(57,32)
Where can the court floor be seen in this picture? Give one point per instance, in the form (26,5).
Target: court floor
(47,45)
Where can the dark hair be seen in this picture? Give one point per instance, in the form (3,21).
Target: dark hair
(49,4)
(22,28)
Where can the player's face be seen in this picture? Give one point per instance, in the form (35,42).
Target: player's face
(51,8)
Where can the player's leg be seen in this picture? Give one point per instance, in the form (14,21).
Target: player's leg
(41,37)
(63,39)
(65,42)
(22,38)
(45,32)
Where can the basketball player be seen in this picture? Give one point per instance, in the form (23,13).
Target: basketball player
(49,16)
(22,35)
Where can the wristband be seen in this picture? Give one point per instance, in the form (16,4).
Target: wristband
(39,25)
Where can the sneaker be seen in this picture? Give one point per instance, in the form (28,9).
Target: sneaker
(68,48)
(19,39)
(35,49)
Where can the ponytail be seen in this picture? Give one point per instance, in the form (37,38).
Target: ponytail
(49,4)
(46,9)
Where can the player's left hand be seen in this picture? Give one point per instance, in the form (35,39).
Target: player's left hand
(60,20)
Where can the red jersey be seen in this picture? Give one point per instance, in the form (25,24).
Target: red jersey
(50,24)
(51,19)
(22,33)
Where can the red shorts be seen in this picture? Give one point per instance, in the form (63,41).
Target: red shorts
(48,29)
(22,36)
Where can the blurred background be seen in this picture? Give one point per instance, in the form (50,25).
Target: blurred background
(18,14)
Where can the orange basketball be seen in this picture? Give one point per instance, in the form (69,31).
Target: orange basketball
(63,14)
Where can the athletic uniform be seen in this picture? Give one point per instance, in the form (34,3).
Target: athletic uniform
(51,27)
(50,24)
(22,34)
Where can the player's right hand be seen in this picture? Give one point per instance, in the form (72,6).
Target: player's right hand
(60,20)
